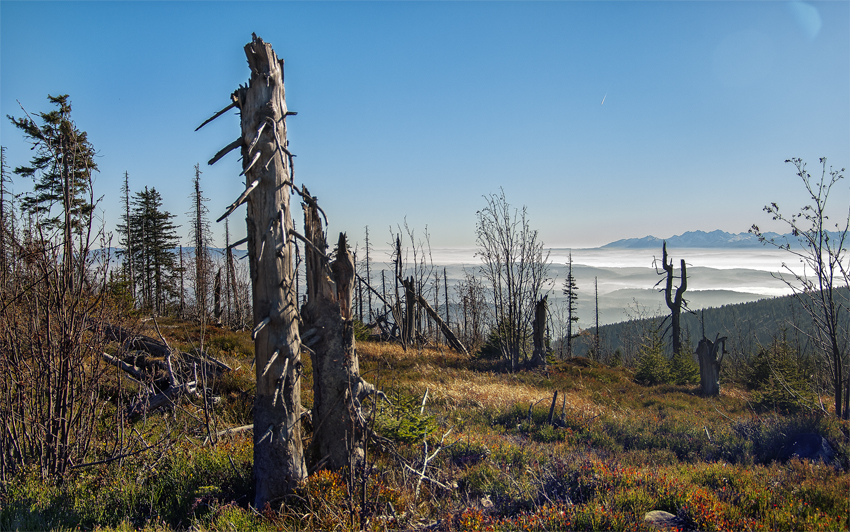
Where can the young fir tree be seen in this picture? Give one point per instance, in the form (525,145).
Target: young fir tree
(61,168)
(653,367)
(155,237)
(570,289)
(126,238)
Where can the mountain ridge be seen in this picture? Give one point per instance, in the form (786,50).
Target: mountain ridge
(699,239)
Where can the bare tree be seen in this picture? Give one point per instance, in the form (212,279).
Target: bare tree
(674,302)
(413,269)
(267,165)
(6,218)
(201,238)
(472,296)
(515,267)
(369,274)
(823,254)
(53,309)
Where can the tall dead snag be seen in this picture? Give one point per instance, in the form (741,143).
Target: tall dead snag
(538,332)
(339,434)
(674,303)
(709,364)
(267,165)
(217,297)
(409,330)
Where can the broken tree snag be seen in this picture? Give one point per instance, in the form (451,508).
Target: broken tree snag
(278,453)
(339,432)
(709,364)
(538,358)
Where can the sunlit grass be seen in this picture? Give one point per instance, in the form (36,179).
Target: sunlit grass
(618,451)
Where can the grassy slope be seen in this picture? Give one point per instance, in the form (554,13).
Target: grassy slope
(621,450)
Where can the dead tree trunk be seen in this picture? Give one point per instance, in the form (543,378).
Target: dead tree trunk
(339,434)
(233,291)
(267,165)
(217,297)
(409,311)
(451,338)
(674,303)
(709,364)
(538,358)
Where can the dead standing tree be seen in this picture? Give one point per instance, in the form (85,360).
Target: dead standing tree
(674,302)
(538,335)
(267,166)
(339,436)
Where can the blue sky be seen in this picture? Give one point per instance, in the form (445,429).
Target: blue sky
(416,110)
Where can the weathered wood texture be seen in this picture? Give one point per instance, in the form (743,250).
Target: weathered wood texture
(132,341)
(339,433)
(709,364)
(674,303)
(451,338)
(278,452)
(538,332)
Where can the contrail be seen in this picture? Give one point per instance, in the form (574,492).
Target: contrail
(603,99)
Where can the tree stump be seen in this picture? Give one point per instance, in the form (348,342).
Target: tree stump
(709,364)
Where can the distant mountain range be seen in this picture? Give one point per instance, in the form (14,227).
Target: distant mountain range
(699,239)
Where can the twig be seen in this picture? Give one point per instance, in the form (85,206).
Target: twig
(428,459)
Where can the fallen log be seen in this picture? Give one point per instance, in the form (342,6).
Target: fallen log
(135,342)
(135,374)
(152,402)
(207,358)
(450,335)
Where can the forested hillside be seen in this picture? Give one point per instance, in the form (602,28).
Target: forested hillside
(747,326)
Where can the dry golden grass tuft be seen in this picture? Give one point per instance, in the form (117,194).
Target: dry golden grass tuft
(451,381)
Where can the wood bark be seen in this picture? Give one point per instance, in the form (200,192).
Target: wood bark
(709,364)
(674,303)
(538,332)
(135,342)
(409,330)
(266,162)
(217,297)
(552,408)
(233,291)
(339,434)
(152,402)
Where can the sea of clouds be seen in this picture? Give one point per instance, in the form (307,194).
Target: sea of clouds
(627,278)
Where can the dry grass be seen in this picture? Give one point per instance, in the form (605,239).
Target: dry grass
(452,380)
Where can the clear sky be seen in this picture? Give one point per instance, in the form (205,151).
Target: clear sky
(416,110)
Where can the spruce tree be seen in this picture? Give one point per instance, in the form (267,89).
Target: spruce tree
(155,237)
(570,289)
(61,168)
(126,238)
